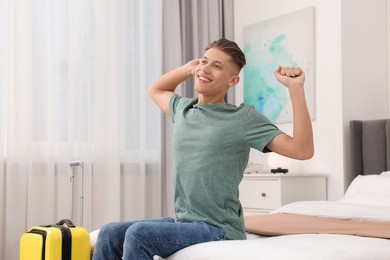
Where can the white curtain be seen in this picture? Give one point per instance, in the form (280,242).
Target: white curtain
(73,86)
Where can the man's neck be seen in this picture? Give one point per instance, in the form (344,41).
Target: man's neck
(209,101)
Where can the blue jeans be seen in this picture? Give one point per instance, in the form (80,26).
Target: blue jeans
(141,240)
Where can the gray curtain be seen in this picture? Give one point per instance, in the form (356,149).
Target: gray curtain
(188,27)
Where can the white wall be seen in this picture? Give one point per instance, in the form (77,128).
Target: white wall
(364,64)
(335,67)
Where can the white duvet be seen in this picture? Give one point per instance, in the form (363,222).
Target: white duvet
(305,246)
(302,247)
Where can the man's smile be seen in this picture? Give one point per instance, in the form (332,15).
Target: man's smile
(203,79)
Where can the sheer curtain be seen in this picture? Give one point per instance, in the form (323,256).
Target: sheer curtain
(73,86)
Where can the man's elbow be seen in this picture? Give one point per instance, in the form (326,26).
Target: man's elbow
(154,93)
(306,153)
(151,91)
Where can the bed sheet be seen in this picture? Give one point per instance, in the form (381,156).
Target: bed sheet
(302,247)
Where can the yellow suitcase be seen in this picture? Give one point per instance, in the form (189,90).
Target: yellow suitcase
(62,241)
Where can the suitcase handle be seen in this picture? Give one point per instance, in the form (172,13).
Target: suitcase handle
(73,164)
(68,222)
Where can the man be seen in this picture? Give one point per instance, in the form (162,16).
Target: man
(211,145)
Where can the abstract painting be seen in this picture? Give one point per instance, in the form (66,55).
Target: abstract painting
(287,40)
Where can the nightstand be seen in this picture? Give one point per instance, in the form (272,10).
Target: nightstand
(262,193)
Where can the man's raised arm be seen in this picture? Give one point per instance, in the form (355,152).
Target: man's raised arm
(300,145)
(163,88)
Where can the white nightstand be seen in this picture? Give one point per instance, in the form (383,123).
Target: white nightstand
(262,193)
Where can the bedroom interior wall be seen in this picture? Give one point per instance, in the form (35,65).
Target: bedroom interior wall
(364,65)
(337,33)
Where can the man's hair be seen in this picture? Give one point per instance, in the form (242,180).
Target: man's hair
(230,48)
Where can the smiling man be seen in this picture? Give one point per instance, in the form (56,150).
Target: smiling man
(211,145)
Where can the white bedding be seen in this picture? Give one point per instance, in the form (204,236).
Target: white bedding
(304,246)
(367,199)
(337,209)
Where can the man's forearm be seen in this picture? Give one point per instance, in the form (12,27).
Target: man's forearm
(163,88)
(302,127)
(170,80)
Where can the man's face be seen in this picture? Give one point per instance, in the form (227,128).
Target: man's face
(215,73)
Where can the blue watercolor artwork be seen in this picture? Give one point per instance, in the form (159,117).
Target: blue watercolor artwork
(287,40)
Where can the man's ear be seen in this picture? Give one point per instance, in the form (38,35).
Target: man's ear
(234,81)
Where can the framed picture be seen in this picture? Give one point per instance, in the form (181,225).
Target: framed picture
(287,40)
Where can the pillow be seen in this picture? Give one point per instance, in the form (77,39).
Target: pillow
(386,173)
(369,189)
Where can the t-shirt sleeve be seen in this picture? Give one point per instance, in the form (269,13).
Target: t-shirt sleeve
(173,103)
(177,104)
(259,130)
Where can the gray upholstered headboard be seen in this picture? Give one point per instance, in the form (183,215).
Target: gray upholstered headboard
(370,146)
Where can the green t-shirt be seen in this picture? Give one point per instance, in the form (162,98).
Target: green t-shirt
(211,145)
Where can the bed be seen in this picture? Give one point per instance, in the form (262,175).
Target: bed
(355,227)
